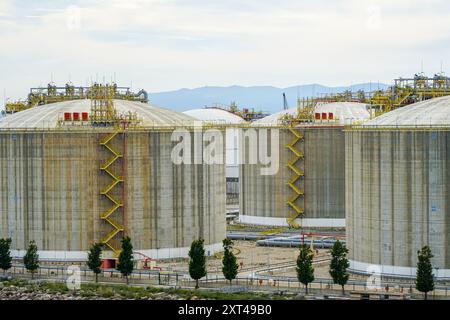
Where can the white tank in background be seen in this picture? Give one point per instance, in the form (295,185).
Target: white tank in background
(220,116)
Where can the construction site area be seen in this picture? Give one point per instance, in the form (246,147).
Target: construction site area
(83,165)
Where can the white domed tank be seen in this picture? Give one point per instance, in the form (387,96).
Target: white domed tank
(68,186)
(398,189)
(308,187)
(220,116)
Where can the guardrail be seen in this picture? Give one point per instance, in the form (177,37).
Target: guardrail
(412,127)
(252,282)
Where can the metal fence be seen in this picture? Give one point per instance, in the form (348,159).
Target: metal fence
(253,283)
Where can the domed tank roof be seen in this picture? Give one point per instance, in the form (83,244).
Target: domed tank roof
(346,112)
(47,116)
(425,113)
(215,115)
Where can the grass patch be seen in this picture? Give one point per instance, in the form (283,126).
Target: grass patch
(14,282)
(92,290)
(106,292)
(54,287)
(130,292)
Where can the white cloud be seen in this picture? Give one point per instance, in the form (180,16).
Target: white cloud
(5,8)
(170,44)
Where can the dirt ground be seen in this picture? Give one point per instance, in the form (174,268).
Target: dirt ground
(321,270)
(249,257)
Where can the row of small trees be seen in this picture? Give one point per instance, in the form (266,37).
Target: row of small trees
(30,259)
(125,262)
(339,265)
(197,261)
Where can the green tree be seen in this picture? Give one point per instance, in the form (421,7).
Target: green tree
(94,259)
(305,270)
(424,276)
(197,261)
(126,262)
(230,266)
(339,264)
(5,254)
(31,258)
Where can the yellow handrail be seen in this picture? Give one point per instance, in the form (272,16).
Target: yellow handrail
(298,173)
(116,204)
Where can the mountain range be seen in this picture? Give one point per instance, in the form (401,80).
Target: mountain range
(268,99)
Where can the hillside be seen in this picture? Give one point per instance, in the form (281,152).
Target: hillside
(266,98)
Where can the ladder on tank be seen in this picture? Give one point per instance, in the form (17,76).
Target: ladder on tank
(297,176)
(110,239)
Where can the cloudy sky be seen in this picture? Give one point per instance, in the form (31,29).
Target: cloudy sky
(169,44)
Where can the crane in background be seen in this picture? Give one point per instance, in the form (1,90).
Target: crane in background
(285,104)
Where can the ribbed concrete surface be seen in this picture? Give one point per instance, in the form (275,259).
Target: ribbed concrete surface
(397,197)
(219,116)
(50,185)
(266,196)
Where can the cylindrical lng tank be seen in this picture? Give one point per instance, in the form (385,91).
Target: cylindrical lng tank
(314,183)
(224,117)
(51,184)
(398,189)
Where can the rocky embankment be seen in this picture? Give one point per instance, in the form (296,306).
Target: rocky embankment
(58,292)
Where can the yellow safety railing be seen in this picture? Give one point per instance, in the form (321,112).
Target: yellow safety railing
(108,240)
(297,174)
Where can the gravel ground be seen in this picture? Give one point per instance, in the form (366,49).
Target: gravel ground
(247,253)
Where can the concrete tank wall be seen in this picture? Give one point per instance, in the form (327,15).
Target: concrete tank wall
(263,198)
(397,199)
(50,192)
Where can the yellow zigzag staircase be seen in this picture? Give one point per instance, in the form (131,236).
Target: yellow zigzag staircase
(107,192)
(296,175)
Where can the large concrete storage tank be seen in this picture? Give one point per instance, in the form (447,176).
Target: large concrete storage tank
(53,191)
(398,189)
(310,179)
(224,117)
